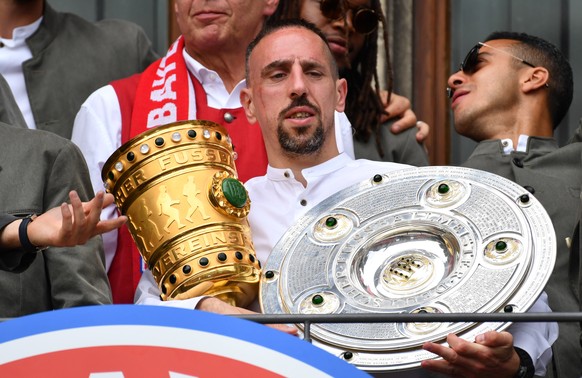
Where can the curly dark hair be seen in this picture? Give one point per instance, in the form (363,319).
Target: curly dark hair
(364,106)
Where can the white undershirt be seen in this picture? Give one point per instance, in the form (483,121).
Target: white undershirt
(14,52)
(521,144)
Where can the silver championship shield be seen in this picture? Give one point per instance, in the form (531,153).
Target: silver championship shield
(422,240)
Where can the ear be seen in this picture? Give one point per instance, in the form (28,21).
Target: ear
(246,100)
(270,7)
(342,92)
(537,78)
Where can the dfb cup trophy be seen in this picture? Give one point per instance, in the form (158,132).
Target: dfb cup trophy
(187,210)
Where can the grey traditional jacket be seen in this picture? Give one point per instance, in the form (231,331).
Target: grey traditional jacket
(71,58)
(37,171)
(554,176)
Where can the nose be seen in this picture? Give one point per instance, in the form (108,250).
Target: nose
(344,21)
(455,80)
(298,86)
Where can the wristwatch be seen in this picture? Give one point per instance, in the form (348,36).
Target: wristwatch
(23,235)
(526,366)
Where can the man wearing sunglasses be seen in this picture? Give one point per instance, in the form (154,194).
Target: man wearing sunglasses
(509,95)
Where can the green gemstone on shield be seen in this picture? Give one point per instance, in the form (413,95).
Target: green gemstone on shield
(500,246)
(317,299)
(234,191)
(443,189)
(330,222)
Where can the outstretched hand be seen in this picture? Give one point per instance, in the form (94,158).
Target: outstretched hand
(73,224)
(491,356)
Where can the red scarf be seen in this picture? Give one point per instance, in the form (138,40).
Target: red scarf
(162,94)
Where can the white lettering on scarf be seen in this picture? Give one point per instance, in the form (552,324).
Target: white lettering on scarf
(162,92)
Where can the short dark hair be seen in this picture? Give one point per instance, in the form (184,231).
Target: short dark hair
(540,52)
(285,24)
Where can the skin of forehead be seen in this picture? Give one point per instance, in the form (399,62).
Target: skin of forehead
(295,32)
(502,44)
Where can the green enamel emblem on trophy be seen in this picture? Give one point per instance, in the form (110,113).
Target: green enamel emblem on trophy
(234,192)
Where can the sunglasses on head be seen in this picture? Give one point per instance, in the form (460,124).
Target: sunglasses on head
(469,64)
(364,20)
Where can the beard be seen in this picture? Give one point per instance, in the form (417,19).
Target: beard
(300,141)
(301,144)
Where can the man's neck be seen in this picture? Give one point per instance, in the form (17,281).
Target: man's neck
(230,66)
(297,163)
(530,121)
(530,129)
(14,14)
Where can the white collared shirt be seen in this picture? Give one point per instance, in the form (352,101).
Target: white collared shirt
(216,94)
(15,52)
(278,199)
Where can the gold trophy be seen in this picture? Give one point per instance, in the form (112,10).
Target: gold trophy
(187,211)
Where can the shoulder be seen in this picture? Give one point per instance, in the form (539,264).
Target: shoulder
(74,31)
(376,166)
(256,183)
(13,134)
(103,99)
(114,26)
(74,23)
(35,144)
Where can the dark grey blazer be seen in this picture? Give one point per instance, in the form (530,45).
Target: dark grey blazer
(555,176)
(72,58)
(37,171)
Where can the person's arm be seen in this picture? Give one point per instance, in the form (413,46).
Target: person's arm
(217,306)
(12,260)
(494,354)
(97,133)
(8,232)
(64,226)
(399,110)
(76,274)
(148,293)
(491,355)
(536,338)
